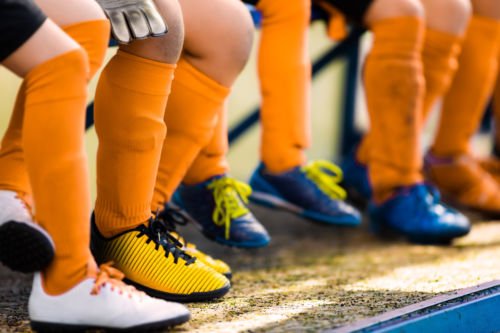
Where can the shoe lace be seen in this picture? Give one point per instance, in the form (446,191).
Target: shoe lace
(327,177)
(230,197)
(108,274)
(172,217)
(159,233)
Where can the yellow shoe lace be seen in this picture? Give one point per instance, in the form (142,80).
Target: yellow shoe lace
(326,176)
(227,195)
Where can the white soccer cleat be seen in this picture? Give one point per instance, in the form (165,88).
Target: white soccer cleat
(104,302)
(24,245)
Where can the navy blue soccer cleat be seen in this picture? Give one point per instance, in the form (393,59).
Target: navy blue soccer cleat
(311,191)
(356,180)
(218,208)
(416,213)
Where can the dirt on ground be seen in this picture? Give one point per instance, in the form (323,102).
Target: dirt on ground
(313,277)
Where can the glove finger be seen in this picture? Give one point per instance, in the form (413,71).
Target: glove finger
(156,22)
(119,27)
(137,23)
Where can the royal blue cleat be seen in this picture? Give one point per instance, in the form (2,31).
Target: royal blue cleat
(218,208)
(311,191)
(356,180)
(416,213)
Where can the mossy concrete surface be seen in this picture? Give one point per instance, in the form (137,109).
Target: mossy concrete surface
(314,277)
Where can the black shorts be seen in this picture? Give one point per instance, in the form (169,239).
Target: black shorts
(354,10)
(19,20)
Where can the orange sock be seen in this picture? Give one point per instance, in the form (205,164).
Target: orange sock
(440,58)
(464,104)
(211,161)
(93,36)
(53,143)
(496,112)
(394,87)
(285,112)
(129,108)
(193,109)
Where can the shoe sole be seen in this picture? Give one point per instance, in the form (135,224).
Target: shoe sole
(274,202)
(182,298)
(385,232)
(39,326)
(25,247)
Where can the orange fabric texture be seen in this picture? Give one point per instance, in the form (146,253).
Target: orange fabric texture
(285,80)
(464,104)
(129,108)
(440,58)
(53,142)
(496,112)
(394,85)
(211,161)
(192,113)
(93,36)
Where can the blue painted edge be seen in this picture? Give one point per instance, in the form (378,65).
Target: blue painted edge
(421,312)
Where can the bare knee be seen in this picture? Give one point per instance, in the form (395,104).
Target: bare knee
(68,12)
(166,49)
(487,8)
(386,9)
(219,37)
(450,16)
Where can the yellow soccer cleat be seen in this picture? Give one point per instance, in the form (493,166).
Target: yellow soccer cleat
(171,216)
(153,261)
(216,264)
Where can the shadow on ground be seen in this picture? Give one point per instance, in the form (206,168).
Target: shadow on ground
(313,277)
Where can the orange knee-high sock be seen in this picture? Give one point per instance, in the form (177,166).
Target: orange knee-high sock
(439,56)
(129,108)
(285,112)
(394,87)
(211,161)
(53,143)
(196,103)
(440,59)
(464,103)
(93,36)
(496,112)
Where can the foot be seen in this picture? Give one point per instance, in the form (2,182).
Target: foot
(153,261)
(103,302)
(492,166)
(464,182)
(356,180)
(311,191)
(218,208)
(24,245)
(415,213)
(172,215)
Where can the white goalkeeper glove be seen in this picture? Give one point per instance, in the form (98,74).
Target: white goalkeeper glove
(133,19)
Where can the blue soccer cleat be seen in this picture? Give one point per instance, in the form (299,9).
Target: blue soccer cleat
(218,208)
(311,191)
(416,213)
(356,180)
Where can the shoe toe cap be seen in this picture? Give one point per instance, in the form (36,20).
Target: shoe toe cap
(248,232)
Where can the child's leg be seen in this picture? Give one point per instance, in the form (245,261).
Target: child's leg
(53,148)
(394,85)
(206,71)
(129,107)
(285,110)
(89,28)
(211,161)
